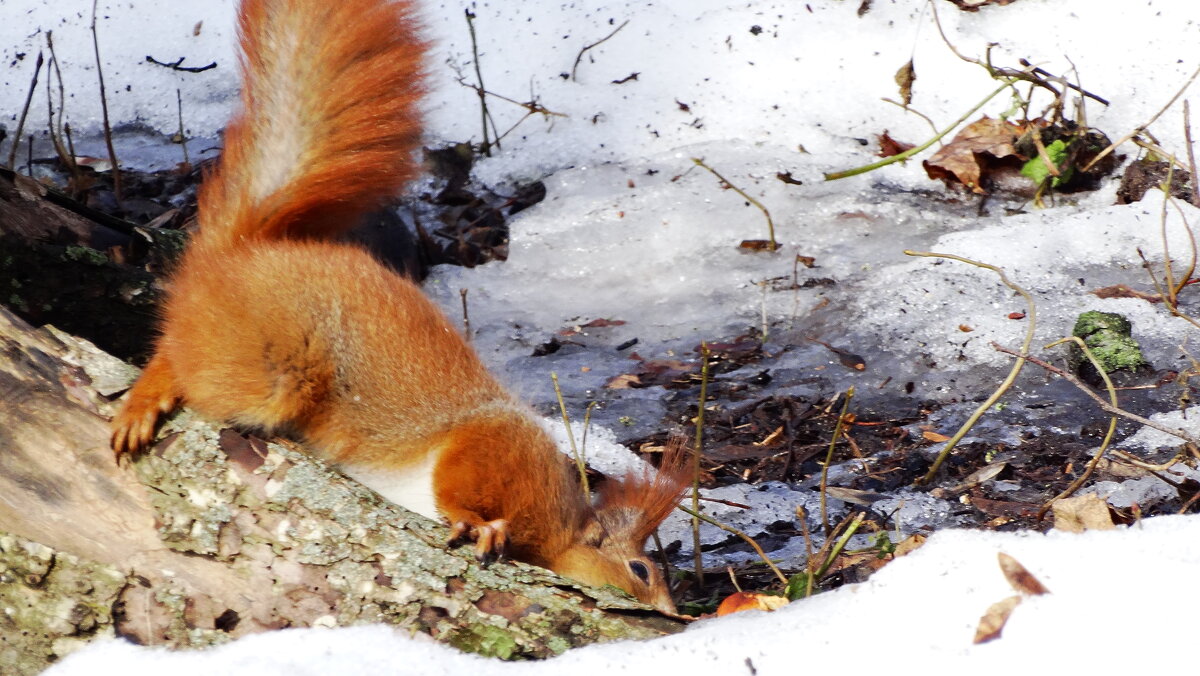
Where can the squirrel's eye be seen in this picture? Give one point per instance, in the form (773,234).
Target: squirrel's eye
(640,570)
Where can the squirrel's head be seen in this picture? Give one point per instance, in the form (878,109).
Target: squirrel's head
(610,548)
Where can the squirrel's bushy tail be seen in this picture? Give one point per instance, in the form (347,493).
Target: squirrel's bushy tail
(329,120)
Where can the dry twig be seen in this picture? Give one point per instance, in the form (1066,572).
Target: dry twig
(12,152)
(773,245)
(595,44)
(112,153)
(1083,387)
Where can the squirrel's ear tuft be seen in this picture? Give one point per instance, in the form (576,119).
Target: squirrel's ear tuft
(636,503)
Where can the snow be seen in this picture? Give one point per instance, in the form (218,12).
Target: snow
(633,230)
(1118,602)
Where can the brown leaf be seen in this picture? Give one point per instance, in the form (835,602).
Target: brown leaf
(934,437)
(624,382)
(993,621)
(889,146)
(665,372)
(855,496)
(758,245)
(1019,577)
(1005,508)
(905,77)
(979,476)
(966,158)
(1084,512)
(1122,291)
(1016,315)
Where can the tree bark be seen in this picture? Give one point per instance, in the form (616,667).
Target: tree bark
(211,535)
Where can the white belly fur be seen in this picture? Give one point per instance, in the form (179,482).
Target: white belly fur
(412,487)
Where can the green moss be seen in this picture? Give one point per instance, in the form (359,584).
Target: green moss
(487,641)
(1093,321)
(85,254)
(1108,336)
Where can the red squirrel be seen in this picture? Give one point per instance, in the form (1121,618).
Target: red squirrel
(271,324)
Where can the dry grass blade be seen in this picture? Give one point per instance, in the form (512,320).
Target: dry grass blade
(696,453)
(1012,375)
(1142,127)
(580,462)
(112,152)
(1112,427)
(837,433)
(773,245)
(697,516)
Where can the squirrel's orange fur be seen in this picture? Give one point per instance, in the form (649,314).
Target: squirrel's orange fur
(270,324)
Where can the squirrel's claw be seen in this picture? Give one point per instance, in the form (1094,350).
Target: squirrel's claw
(153,396)
(491,537)
(133,431)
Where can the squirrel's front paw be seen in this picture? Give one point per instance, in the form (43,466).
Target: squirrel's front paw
(490,537)
(133,428)
(152,397)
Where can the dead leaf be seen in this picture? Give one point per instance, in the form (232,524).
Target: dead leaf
(993,621)
(889,146)
(1019,577)
(739,601)
(934,437)
(854,495)
(964,328)
(665,372)
(1016,315)
(1122,291)
(1084,512)
(977,477)
(905,77)
(624,382)
(967,157)
(758,245)
(1004,508)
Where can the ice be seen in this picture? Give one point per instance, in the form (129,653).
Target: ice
(765,505)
